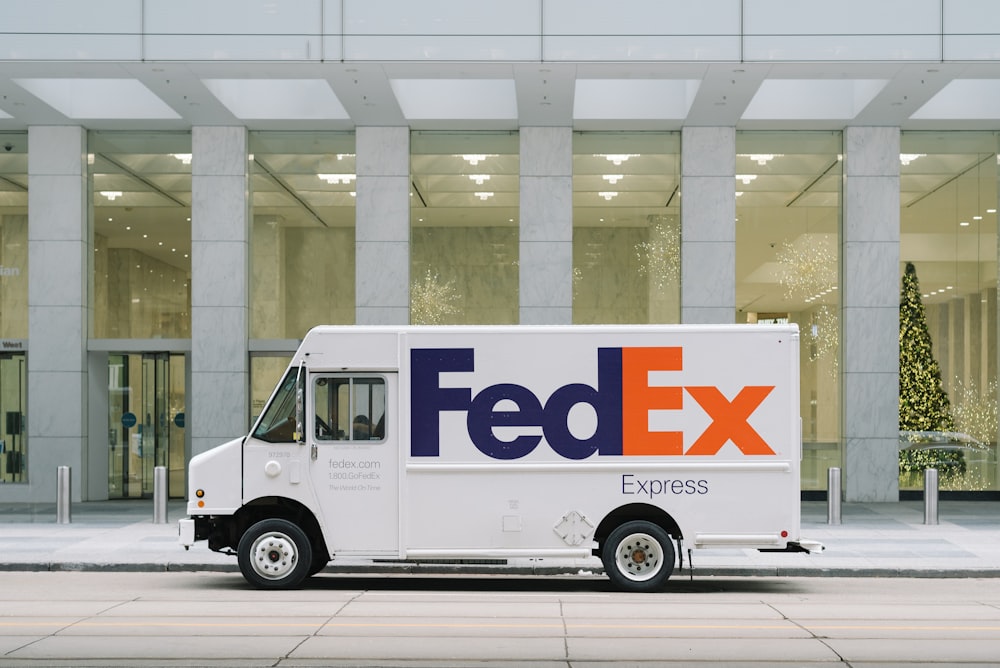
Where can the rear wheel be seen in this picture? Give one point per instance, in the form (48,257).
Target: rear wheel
(274,554)
(638,556)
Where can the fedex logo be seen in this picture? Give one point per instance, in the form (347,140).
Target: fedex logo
(622,401)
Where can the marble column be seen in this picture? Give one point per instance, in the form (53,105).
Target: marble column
(382,239)
(57,276)
(546,226)
(870,322)
(217,406)
(708,225)
(267,279)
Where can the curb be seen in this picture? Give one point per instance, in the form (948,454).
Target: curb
(442,569)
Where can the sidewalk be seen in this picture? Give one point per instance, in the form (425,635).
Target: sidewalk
(874,540)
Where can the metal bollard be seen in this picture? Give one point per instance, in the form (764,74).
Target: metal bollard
(833,496)
(930,496)
(160,495)
(64,495)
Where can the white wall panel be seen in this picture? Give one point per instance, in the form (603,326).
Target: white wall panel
(854,30)
(70,47)
(845,17)
(233,30)
(448,30)
(641,48)
(438,47)
(333,28)
(442,17)
(973,30)
(232,17)
(972,47)
(641,17)
(971,17)
(841,47)
(233,47)
(72,16)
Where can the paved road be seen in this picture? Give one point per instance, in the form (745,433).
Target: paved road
(154,619)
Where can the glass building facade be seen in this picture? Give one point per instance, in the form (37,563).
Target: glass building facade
(168,236)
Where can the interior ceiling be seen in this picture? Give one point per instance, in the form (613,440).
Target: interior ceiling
(153,211)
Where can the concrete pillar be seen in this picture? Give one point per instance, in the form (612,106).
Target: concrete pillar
(708,225)
(546,226)
(217,408)
(870,322)
(58,253)
(382,239)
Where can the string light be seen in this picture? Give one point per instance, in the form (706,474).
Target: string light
(432,301)
(808,269)
(660,257)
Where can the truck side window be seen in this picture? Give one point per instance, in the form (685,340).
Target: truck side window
(277,424)
(349,408)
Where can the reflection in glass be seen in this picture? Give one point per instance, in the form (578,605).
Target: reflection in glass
(14,237)
(146,423)
(13,415)
(788,199)
(141,194)
(464,228)
(302,234)
(626,228)
(948,230)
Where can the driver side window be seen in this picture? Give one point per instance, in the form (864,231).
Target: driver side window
(349,408)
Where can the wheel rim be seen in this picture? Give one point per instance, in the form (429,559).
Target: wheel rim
(639,557)
(273,556)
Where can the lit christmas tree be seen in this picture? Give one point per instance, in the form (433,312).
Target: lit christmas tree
(923,403)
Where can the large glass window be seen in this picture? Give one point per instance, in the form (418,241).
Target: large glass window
(626,228)
(302,235)
(948,221)
(13,306)
(14,236)
(788,202)
(464,228)
(141,191)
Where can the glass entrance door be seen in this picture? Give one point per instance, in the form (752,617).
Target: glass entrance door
(145,423)
(13,449)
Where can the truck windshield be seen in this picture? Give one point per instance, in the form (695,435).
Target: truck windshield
(277,425)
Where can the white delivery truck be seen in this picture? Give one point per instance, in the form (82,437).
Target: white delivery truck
(627,443)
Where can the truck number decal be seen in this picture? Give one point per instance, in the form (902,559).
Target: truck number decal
(622,401)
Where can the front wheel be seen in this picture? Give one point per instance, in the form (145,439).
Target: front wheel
(274,554)
(638,556)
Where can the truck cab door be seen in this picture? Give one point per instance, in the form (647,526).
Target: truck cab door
(353,435)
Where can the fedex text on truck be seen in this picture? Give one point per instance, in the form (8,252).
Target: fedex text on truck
(621,402)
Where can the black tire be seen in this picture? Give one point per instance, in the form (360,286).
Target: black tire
(638,556)
(275,554)
(318,564)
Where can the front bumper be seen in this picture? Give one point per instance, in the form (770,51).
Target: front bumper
(185,532)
